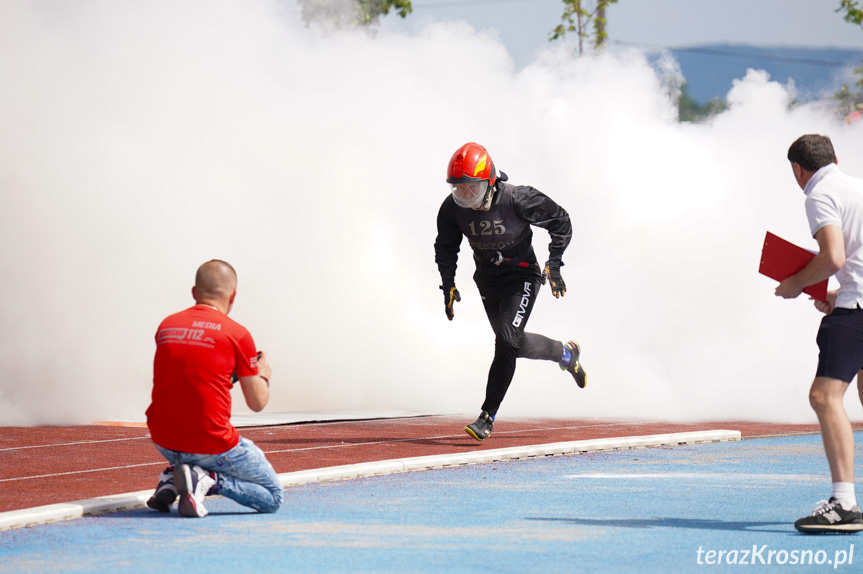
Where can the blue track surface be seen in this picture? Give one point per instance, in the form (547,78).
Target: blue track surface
(644,510)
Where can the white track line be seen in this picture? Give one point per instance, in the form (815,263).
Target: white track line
(292,426)
(161,463)
(130,500)
(281,451)
(78,443)
(809,478)
(300,449)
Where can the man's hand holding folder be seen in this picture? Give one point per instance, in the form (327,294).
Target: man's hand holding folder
(781,260)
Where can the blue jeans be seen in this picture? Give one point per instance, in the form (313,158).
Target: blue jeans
(244,474)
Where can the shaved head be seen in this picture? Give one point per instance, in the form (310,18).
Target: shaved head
(215,282)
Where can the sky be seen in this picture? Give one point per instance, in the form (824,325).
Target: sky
(523,25)
(140,139)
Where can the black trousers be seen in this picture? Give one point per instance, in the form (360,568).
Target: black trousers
(508,307)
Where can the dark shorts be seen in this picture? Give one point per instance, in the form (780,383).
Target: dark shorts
(840,342)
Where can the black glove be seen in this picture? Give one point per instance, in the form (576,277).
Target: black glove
(450,295)
(552,273)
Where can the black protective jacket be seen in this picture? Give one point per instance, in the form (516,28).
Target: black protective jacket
(501,237)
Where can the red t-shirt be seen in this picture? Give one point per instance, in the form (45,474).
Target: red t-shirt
(196,352)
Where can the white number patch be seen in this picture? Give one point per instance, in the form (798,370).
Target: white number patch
(487,227)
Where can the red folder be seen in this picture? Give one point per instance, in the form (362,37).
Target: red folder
(781,259)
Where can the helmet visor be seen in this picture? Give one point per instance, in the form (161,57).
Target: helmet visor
(469,194)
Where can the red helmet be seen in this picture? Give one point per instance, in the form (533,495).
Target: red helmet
(471,175)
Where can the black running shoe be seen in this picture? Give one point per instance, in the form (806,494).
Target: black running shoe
(481,429)
(575,369)
(830,517)
(166,492)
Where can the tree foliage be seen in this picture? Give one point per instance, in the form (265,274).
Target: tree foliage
(853,11)
(372,10)
(340,13)
(688,110)
(586,18)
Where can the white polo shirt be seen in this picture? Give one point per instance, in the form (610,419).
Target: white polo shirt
(833,198)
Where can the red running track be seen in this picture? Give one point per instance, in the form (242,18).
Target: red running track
(47,465)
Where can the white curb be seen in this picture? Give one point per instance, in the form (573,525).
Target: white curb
(67,510)
(501,454)
(131,500)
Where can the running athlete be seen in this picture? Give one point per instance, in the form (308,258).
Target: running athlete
(496,218)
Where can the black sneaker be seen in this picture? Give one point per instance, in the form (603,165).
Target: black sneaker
(481,428)
(575,369)
(831,517)
(166,492)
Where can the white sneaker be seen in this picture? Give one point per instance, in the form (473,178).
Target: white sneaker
(192,483)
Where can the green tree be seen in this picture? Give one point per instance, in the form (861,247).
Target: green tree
(852,11)
(340,13)
(372,10)
(688,110)
(580,16)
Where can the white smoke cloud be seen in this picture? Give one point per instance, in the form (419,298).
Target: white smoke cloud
(140,139)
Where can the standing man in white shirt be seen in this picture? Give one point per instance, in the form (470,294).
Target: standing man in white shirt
(834,207)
